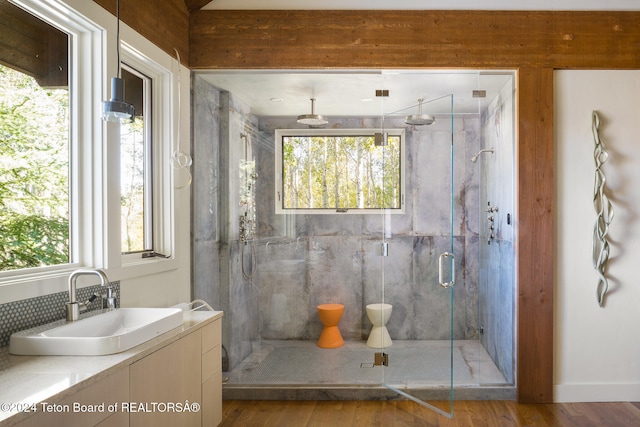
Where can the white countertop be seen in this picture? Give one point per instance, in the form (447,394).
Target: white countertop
(29,380)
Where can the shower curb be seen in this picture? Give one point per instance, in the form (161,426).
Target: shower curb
(320,392)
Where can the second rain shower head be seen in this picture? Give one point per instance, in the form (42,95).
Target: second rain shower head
(312,119)
(419,119)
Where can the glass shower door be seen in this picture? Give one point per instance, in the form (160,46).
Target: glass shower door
(413,324)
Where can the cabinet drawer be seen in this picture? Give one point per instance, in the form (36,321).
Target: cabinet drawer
(211,336)
(212,401)
(211,362)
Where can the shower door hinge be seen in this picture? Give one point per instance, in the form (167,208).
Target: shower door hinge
(380,139)
(383,249)
(479,94)
(380,359)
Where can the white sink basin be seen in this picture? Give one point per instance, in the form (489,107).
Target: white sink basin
(105,333)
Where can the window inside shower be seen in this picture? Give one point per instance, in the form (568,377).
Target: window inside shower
(339,171)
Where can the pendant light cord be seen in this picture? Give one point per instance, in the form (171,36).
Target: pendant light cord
(118,36)
(180,159)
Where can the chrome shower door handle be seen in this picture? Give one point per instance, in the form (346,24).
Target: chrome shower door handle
(452,270)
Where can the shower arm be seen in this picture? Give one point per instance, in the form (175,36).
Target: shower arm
(485,150)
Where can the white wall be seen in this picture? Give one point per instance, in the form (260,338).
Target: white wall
(597,350)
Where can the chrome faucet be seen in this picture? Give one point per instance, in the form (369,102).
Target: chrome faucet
(74,308)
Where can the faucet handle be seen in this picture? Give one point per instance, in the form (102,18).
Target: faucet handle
(108,299)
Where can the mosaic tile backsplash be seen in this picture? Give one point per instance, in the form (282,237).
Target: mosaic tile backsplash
(28,313)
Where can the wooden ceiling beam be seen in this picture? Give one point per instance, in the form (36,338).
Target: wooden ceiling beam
(406,39)
(165,23)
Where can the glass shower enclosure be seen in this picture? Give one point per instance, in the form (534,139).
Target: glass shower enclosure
(376,210)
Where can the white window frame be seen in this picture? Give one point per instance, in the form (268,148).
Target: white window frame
(279,133)
(161,109)
(85,86)
(149,156)
(94,147)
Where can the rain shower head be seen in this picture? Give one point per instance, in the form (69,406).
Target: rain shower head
(312,119)
(419,119)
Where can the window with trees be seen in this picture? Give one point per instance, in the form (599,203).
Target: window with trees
(324,171)
(35,174)
(146,185)
(59,199)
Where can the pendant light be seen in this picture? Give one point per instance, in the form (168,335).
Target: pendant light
(312,119)
(116,109)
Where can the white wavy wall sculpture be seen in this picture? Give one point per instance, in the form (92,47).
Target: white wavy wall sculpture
(604,212)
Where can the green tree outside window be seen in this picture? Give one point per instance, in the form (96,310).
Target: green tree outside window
(34,173)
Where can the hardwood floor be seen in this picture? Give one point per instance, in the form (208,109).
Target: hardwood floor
(405,413)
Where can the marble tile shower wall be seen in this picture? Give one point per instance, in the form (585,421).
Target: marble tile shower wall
(330,258)
(306,260)
(205,189)
(497,259)
(219,120)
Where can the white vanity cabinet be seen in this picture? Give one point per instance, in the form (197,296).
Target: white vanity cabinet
(185,372)
(149,386)
(163,380)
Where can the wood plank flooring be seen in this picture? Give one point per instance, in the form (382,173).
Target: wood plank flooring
(248,413)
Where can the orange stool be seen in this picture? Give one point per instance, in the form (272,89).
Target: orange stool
(330,315)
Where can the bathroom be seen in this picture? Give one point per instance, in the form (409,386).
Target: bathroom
(567,341)
(269,281)
(260,299)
